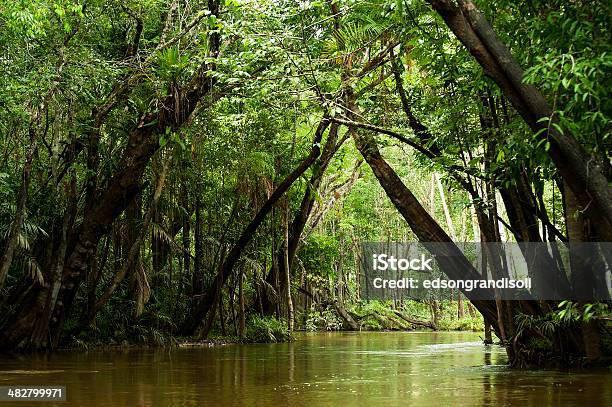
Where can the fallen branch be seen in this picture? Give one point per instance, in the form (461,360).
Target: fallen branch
(426,324)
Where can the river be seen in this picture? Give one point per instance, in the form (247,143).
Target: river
(319,369)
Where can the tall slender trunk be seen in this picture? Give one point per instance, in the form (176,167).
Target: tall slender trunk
(241,310)
(301,217)
(40,332)
(447,215)
(196,279)
(287,272)
(186,231)
(581,263)
(6,259)
(275,264)
(15,230)
(487,326)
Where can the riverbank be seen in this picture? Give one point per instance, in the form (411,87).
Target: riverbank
(365,317)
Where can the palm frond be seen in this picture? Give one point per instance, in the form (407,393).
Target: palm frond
(34,271)
(267,288)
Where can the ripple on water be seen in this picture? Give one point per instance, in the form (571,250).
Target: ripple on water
(30,372)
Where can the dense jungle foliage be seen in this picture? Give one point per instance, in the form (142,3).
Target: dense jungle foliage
(198,169)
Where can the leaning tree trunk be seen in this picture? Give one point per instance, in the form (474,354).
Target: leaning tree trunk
(207,306)
(421,223)
(134,250)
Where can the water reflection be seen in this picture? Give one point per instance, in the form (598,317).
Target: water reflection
(335,369)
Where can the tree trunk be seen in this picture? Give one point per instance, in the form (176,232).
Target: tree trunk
(447,215)
(346,317)
(488,340)
(186,232)
(40,333)
(209,302)
(581,264)
(301,217)
(15,230)
(582,173)
(241,316)
(196,279)
(287,272)
(421,223)
(134,250)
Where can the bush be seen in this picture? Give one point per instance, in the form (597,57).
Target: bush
(464,324)
(266,329)
(323,321)
(371,324)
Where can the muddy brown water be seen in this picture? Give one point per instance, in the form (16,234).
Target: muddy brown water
(318,369)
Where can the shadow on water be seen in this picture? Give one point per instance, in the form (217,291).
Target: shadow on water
(322,369)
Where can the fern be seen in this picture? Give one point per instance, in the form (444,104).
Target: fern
(363,28)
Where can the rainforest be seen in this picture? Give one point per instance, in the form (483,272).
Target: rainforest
(187,189)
